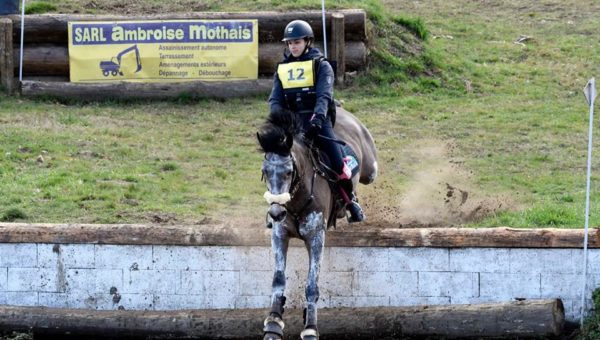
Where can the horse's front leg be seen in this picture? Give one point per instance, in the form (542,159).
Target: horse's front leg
(273,325)
(313,233)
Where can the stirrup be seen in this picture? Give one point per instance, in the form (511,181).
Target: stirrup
(356,212)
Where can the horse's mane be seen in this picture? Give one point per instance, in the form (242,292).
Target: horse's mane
(277,133)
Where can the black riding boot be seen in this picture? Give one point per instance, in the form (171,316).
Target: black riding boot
(356,212)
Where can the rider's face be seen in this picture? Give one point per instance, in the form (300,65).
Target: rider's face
(296,46)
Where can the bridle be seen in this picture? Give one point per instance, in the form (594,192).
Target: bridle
(295,186)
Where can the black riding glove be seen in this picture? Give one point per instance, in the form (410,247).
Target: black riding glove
(316,123)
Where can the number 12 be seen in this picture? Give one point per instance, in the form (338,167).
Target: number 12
(300,74)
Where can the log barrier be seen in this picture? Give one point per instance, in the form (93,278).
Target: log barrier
(45,55)
(541,318)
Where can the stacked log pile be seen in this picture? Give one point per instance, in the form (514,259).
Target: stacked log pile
(46,57)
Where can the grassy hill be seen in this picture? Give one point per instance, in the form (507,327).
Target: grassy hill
(476,107)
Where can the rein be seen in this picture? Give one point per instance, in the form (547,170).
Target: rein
(294,188)
(313,155)
(319,168)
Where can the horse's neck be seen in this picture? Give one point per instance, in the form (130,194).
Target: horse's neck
(310,185)
(301,158)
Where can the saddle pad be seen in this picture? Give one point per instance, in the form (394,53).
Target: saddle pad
(351,159)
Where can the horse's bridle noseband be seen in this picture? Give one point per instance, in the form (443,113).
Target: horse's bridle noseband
(294,186)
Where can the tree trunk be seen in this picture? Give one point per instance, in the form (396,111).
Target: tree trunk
(53,28)
(127,90)
(514,319)
(53,60)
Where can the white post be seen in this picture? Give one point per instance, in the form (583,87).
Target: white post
(324,27)
(22,36)
(590,94)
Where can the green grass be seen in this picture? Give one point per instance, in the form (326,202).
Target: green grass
(106,163)
(40,7)
(443,70)
(591,325)
(415,25)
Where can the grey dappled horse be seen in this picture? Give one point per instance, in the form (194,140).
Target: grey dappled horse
(302,204)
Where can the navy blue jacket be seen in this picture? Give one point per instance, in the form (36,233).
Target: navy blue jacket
(323,84)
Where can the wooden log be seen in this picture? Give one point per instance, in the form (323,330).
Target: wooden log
(44,59)
(64,78)
(539,318)
(7,74)
(227,235)
(129,90)
(52,28)
(270,54)
(53,60)
(338,44)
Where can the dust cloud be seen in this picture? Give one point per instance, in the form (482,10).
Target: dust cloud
(438,192)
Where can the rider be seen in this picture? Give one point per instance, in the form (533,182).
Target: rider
(304,84)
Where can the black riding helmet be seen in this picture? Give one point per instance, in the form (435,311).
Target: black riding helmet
(298,29)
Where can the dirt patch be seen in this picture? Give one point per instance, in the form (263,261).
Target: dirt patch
(439,192)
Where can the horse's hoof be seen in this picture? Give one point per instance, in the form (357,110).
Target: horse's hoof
(272,336)
(273,329)
(309,334)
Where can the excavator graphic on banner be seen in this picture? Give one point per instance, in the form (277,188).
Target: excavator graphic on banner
(113,66)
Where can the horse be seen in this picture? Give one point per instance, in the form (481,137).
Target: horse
(302,203)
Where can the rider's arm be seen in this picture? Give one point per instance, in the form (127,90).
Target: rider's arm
(276,99)
(324,88)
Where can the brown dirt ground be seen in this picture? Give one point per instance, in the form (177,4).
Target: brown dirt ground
(439,192)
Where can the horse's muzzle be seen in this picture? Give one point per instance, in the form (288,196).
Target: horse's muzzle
(277,212)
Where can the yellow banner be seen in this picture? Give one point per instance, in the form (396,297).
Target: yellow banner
(163,51)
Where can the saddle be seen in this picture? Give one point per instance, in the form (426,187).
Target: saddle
(323,168)
(322,164)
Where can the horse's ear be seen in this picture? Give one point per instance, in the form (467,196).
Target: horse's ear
(289,140)
(261,142)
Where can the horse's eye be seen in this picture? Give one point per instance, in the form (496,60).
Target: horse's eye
(288,174)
